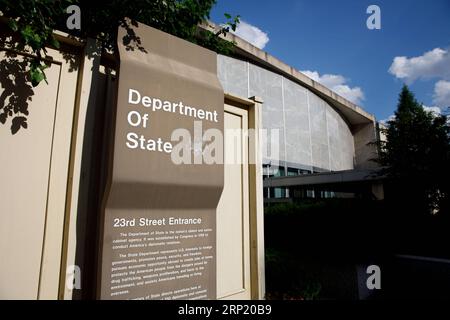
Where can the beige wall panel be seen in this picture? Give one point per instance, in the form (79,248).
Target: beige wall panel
(233,251)
(60,157)
(25,160)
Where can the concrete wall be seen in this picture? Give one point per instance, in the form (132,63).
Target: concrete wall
(365,150)
(312,133)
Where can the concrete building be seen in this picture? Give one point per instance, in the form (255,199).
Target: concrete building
(320,131)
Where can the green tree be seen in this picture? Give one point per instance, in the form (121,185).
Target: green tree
(416,156)
(32,24)
(35,20)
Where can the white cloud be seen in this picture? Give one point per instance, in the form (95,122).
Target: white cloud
(385,121)
(435,110)
(432,64)
(441,96)
(337,83)
(252,34)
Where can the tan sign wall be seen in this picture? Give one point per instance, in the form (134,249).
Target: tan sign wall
(159,228)
(35,162)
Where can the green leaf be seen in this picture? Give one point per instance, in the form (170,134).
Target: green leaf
(13,25)
(36,76)
(54,42)
(42,67)
(27,33)
(227,15)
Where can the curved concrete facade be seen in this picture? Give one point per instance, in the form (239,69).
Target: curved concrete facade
(313,135)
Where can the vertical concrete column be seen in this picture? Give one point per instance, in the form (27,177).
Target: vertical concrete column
(256,202)
(365,136)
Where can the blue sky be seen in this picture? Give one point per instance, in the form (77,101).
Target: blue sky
(330,39)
